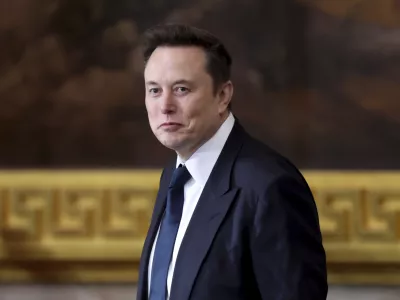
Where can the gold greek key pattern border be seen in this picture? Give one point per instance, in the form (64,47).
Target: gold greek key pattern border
(87,226)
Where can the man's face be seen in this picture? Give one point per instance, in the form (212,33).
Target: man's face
(182,108)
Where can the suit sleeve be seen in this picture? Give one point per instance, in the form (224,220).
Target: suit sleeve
(286,245)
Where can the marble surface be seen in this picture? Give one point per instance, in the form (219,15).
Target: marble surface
(62,292)
(364,293)
(120,292)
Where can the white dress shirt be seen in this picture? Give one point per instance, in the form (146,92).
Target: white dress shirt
(199,165)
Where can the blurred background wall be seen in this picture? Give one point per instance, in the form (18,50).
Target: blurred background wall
(318,80)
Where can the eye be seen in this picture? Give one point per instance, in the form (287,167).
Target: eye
(154,91)
(181,90)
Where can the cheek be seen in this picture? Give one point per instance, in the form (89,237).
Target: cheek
(151,110)
(152,115)
(195,118)
(203,112)
(196,109)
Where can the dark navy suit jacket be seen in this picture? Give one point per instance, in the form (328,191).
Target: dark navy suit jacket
(254,234)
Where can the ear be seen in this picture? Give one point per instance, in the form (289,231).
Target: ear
(225,94)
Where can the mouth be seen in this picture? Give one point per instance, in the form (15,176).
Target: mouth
(170,126)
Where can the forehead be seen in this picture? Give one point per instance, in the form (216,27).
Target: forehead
(176,63)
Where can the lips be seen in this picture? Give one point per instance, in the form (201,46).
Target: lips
(170,126)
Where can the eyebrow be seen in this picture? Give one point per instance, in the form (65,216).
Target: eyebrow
(180,81)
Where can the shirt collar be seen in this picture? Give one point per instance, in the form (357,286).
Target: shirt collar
(201,163)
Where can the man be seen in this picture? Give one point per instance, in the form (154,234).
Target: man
(233,219)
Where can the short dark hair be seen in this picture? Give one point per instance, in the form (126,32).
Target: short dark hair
(219,60)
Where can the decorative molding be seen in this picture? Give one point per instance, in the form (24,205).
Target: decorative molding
(89,226)
(360,221)
(83,226)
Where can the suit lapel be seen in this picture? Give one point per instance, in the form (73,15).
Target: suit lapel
(213,206)
(158,211)
(197,241)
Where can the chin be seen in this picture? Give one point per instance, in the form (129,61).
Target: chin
(172,144)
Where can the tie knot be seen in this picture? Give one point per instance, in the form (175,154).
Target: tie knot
(180,176)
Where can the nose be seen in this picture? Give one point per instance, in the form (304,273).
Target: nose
(168,105)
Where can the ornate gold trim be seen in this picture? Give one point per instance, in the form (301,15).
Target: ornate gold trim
(360,221)
(89,226)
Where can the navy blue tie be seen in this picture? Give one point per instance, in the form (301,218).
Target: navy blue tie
(166,237)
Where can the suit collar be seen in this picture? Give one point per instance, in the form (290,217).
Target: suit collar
(220,178)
